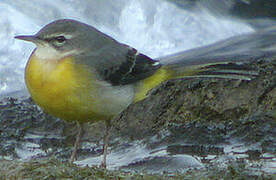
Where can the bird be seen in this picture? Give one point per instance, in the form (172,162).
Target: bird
(79,74)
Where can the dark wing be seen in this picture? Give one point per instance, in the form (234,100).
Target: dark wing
(115,62)
(134,67)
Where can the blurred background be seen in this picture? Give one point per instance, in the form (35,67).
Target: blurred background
(156,28)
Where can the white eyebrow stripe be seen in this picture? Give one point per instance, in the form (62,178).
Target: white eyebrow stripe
(67,36)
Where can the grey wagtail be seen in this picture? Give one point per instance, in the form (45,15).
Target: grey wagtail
(80,74)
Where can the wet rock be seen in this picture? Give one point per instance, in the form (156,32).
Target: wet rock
(222,125)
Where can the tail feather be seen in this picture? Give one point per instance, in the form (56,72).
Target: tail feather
(230,71)
(225,59)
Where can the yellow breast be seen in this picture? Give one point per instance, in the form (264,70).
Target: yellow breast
(62,88)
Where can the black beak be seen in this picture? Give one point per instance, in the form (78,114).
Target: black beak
(30,38)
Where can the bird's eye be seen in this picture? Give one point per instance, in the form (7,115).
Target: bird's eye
(60,39)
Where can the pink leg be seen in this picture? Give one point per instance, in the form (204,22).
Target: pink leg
(105,146)
(77,143)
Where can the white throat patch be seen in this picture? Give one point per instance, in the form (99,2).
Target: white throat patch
(47,52)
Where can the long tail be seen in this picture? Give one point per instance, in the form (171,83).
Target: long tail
(224,59)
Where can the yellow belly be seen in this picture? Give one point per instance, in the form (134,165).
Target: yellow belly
(62,89)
